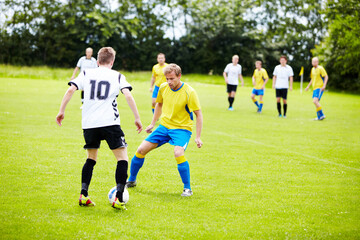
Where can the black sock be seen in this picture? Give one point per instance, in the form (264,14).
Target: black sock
(86,175)
(120,177)
(285,108)
(279,108)
(231,101)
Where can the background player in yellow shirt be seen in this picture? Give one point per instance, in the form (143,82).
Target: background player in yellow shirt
(319,79)
(259,80)
(157,78)
(176,103)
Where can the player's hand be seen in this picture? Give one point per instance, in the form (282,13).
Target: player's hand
(72,77)
(273,86)
(322,89)
(242,84)
(150,89)
(306,89)
(138,125)
(59,118)
(291,88)
(149,128)
(198,142)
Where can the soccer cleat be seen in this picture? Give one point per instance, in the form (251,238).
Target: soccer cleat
(118,205)
(280,116)
(322,117)
(130,184)
(85,201)
(186,193)
(231,109)
(284,116)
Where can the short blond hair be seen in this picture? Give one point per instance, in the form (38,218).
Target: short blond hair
(235,56)
(172,67)
(106,55)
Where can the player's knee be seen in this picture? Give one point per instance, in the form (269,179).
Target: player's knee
(141,151)
(315,101)
(178,152)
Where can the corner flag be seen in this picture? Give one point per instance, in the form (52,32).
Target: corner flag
(301,71)
(302,78)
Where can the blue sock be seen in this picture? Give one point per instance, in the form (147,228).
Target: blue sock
(261,105)
(184,170)
(256,102)
(136,164)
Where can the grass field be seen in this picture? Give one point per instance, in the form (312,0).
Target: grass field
(256,177)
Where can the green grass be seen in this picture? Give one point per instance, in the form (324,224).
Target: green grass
(256,177)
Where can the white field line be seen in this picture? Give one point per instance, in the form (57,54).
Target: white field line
(294,152)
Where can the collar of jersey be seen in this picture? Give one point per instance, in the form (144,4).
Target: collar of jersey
(178,89)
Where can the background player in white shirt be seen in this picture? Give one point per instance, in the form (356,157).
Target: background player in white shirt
(85,62)
(282,74)
(232,74)
(101,120)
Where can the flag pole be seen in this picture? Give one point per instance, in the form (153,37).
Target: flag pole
(301,79)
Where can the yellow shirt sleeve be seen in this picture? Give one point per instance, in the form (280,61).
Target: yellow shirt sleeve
(194,103)
(323,72)
(159,98)
(265,74)
(153,72)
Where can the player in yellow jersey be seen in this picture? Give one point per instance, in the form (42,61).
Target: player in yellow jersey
(176,103)
(319,79)
(259,80)
(157,78)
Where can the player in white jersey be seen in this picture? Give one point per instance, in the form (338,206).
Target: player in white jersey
(85,62)
(282,74)
(232,74)
(101,119)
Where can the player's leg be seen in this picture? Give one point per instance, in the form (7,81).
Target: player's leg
(317,94)
(180,139)
(184,169)
(284,106)
(254,99)
(232,97)
(154,96)
(138,160)
(228,89)
(86,176)
(261,102)
(153,103)
(278,104)
(120,176)
(92,144)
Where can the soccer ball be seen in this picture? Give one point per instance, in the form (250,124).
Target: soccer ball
(112,195)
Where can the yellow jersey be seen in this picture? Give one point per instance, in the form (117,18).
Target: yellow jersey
(158,73)
(178,106)
(260,76)
(317,76)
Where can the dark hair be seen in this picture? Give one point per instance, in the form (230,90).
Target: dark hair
(283,56)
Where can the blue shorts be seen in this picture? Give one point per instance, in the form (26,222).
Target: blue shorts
(317,93)
(258,91)
(176,137)
(155,92)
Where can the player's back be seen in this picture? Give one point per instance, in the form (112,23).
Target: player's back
(101,87)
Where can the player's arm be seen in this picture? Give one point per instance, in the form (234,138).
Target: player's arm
(326,78)
(274,81)
(241,79)
(157,114)
(266,80)
(131,102)
(68,95)
(307,88)
(291,82)
(225,77)
(74,73)
(199,124)
(152,82)
(253,81)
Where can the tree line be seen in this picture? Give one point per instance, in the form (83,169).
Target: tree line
(56,33)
